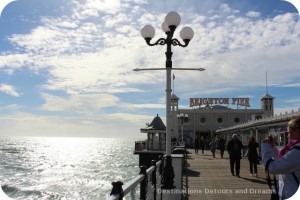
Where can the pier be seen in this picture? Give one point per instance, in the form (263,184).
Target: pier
(210,179)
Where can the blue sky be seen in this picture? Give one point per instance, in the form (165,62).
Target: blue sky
(66,65)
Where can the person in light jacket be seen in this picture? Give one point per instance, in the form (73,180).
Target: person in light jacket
(286,162)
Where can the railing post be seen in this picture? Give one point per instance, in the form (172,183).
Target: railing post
(143,192)
(161,166)
(117,189)
(153,163)
(161,172)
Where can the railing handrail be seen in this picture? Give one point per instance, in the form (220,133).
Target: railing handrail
(132,184)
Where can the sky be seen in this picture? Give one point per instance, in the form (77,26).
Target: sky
(66,66)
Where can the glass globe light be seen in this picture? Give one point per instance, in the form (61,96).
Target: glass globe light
(172,19)
(148,32)
(186,33)
(165,27)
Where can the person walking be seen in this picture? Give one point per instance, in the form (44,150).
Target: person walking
(202,144)
(196,145)
(252,156)
(286,162)
(213,147)
(234,149)
(221,145)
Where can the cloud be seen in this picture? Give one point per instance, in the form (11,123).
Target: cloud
(26,124)
(88,56)
(253,14)
(8,89)
(290,85)
(79,103)
(112,46)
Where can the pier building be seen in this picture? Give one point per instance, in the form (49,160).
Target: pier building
(204,118)
(207,115)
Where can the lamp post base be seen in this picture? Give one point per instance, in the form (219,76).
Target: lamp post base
(168,175)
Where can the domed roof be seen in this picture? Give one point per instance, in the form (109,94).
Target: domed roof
(174,97)
(157,124)
(267,96)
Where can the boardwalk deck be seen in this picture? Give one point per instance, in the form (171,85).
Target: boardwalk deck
(210,178)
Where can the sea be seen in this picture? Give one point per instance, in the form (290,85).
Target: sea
(65,168)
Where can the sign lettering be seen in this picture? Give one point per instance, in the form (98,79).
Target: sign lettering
(209,101)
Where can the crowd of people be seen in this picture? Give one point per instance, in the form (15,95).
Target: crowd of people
(217,143)
(235,150)
(285,163)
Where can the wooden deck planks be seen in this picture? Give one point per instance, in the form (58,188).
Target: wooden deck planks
(210,178)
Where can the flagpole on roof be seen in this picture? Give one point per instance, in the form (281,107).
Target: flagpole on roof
(173,83)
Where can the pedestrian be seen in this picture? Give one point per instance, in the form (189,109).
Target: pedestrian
(196,145)
(202,144)
(221,145)
(286,162)
(252,156)
(234,148)
(213,147)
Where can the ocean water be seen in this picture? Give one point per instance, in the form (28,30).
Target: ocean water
(64,168)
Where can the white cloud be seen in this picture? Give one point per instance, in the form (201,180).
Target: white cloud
(13,60)
(94,59)
(90,54)
(112,125)
(253,14)
(79,103)
(290,85)
(8,89)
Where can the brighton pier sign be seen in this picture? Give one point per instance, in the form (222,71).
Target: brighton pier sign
(209,101)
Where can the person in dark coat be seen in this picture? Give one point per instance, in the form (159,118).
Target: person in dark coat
(221,145)
(196,145)
(252,155)
(234,149)
(202,144)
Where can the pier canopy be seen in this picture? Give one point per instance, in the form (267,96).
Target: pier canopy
(260,128)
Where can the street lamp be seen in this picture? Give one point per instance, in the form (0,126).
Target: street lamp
(184,118)
(172,20)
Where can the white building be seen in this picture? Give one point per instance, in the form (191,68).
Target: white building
(207,115)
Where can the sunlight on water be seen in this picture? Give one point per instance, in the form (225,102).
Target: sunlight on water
(65,168)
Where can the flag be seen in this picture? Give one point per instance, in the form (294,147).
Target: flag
(173,77)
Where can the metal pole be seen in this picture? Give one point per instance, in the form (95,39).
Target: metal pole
(168,112)
(172,20)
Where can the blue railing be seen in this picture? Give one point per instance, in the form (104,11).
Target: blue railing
(149,181)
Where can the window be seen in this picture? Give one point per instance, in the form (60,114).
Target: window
(236,120)
(220,120)
(203,120)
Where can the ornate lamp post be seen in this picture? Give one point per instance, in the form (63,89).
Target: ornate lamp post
(184,118)
(172,20)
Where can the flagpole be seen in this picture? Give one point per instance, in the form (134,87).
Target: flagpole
(173,84)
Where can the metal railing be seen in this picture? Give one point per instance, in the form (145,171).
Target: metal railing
(148,145)
(148,179)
